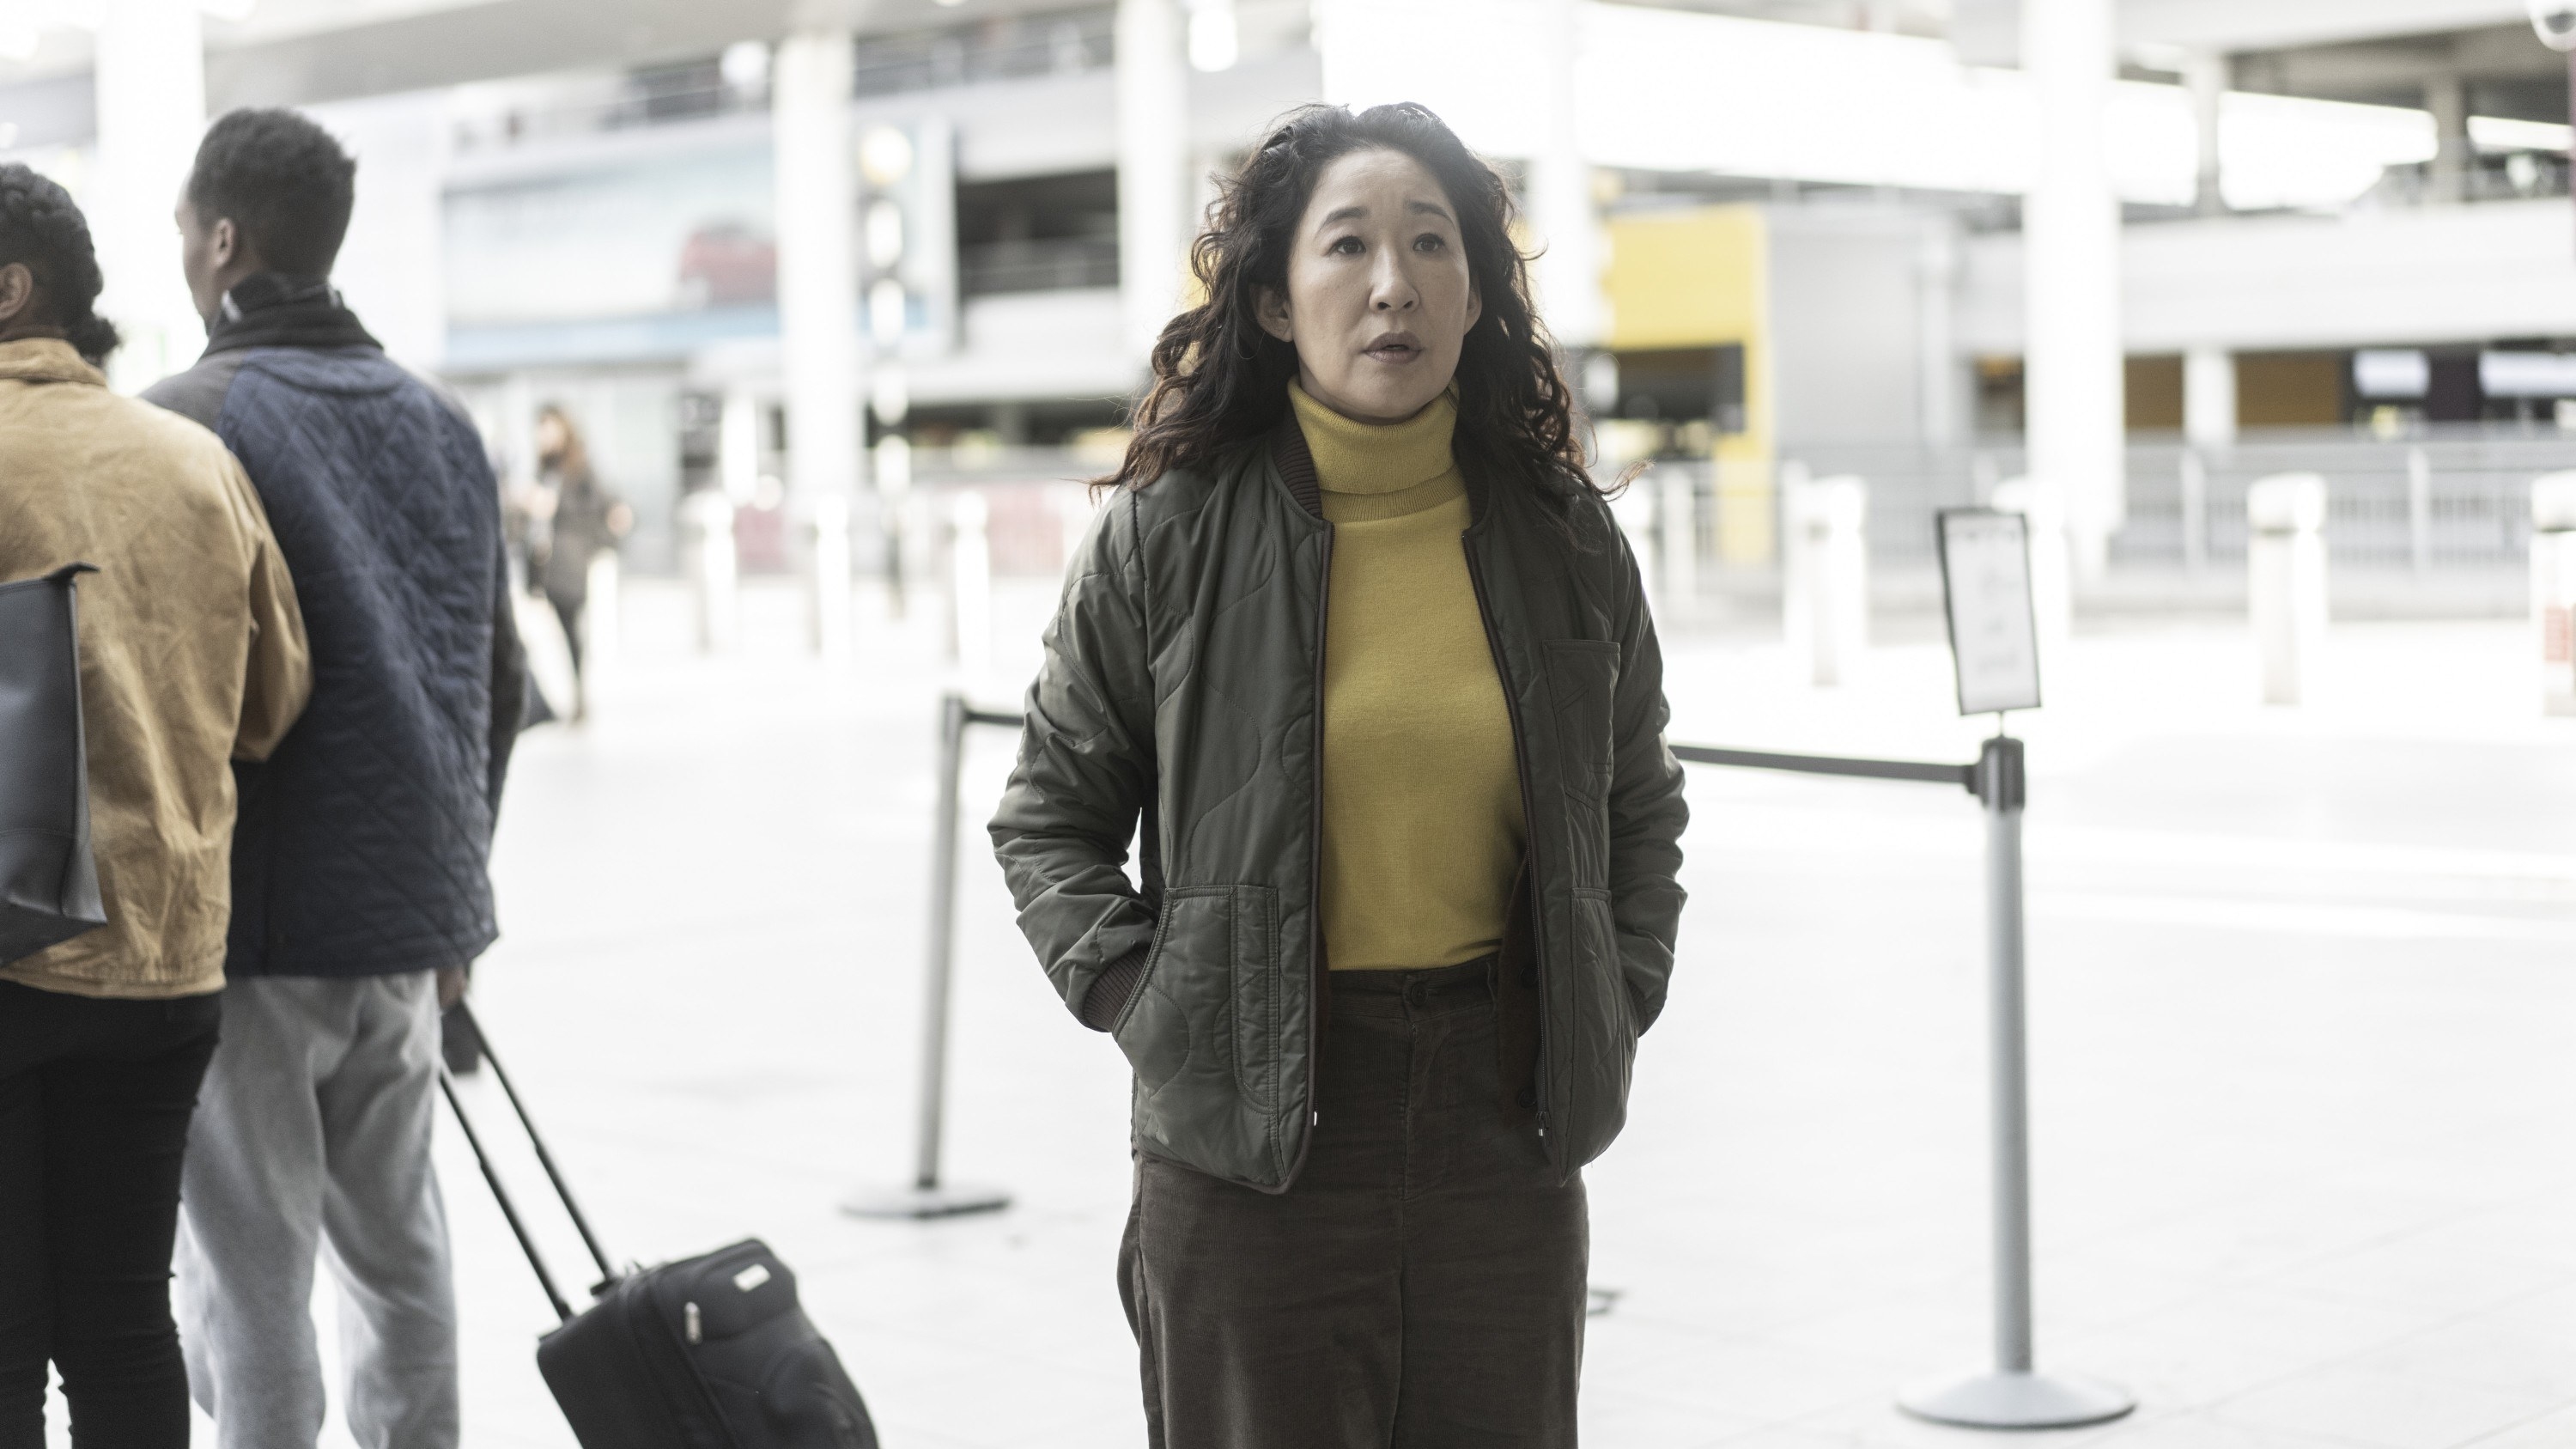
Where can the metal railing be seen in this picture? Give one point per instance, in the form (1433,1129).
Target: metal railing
(1057,265)
(1067,42)
(2451,499)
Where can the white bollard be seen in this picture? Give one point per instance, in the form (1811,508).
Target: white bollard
(970,585)
(602,620)
(894,493)
(707,553)
(2553,588)
(2052,575)
(2285,557)
(1677,521)
(1824,576)
(827,583)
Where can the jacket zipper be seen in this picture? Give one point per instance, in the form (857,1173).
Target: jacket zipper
(1529,817)
(1318,990)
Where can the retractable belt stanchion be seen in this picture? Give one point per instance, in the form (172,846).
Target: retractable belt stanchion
(927,1196)
(2013,1396)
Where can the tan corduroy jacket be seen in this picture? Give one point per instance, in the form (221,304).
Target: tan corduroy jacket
(192,655)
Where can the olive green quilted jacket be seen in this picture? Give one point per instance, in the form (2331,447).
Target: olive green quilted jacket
(1183,686)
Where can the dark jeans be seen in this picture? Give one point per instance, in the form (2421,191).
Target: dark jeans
(95,1098)
(1420,1286)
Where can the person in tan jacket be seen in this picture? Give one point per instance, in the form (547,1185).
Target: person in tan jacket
(192,655)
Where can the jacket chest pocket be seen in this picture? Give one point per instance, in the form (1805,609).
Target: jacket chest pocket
(1582,682)
(1209,1004)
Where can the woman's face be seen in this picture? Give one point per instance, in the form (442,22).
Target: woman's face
(1379,296)
(550,435)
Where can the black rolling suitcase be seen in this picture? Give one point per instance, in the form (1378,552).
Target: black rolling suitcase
(709,1352)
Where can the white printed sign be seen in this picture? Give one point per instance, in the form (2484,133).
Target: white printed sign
(1985,581)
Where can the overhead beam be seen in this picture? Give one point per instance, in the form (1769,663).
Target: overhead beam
(2241,25)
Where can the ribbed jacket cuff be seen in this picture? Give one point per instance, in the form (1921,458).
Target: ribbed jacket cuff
(1110,990)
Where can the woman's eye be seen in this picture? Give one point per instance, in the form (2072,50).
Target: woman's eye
(1348,246)
(1429,241)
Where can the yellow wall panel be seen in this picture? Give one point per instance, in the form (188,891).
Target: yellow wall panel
(1700,277)
(1691,278)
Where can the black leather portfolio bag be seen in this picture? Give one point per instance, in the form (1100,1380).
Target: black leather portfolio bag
(48,883)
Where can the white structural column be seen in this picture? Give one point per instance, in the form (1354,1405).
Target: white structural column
(818,308)
(2071,283)
(2446,96)
(151,97)
(1943,381)
(1153,167)
(1569,270)
(2204,75)
(2209,396)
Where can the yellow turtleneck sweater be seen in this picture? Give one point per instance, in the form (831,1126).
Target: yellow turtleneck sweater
(1422,797)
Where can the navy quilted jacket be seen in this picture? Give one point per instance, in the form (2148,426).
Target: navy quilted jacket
(363,842)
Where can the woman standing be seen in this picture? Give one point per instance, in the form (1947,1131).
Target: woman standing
(192,656)
(1358,643)
(582,520)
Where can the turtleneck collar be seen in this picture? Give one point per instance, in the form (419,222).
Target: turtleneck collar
(272,309)
(1376,458)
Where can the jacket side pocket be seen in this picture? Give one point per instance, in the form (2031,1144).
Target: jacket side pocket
(1255,978)
(1181,1017)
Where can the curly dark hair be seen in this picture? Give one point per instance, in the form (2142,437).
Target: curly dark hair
(1220,380)
(284,182)
(40,227)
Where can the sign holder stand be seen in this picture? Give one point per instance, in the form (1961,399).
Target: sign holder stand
(1986,587)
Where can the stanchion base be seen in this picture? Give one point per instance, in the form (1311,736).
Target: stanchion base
(2016,1401)
(926,1202)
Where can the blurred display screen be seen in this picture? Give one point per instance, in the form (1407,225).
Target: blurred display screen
(683,233)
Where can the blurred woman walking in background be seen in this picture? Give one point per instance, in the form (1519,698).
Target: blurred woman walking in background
(577,520)
(192,655)
(1358,642)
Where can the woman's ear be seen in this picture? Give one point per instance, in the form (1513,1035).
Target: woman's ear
(1475,306)
(1270,309)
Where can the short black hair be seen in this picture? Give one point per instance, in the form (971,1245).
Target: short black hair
(40,227)
(283,181)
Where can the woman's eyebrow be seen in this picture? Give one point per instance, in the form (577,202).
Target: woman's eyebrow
(1434,208)
(1345,213)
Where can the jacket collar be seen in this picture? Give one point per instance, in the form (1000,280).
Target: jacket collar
(46,359)
(272,309)
(1296,465)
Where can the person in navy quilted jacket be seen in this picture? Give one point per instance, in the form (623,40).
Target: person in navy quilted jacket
(359,866)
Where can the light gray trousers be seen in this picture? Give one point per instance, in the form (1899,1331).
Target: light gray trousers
(312,1132)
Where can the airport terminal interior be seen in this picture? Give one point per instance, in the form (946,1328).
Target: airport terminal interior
(2259,316)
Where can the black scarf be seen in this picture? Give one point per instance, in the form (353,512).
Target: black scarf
(271,309)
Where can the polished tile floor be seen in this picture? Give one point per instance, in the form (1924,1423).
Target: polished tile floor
(2303,1006)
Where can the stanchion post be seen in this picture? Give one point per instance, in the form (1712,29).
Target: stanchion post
(927,1196)
(2013,1395)
(1999,788)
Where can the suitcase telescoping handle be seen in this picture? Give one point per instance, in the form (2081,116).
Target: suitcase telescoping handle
(501,1195)
(545,1159)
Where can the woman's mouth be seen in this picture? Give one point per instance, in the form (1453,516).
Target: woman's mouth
(1395,347)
